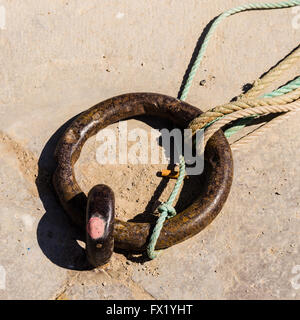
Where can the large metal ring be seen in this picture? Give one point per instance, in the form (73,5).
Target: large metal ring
(218,169)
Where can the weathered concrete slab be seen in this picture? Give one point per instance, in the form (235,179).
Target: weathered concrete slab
(29,275)
(112,282)
(58,59)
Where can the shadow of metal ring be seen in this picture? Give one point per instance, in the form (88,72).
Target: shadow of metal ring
(133,235)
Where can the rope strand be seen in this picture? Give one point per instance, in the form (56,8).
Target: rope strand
(263,110)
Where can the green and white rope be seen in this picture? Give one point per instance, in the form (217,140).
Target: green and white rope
(166,211)
(292,85)
(293,106)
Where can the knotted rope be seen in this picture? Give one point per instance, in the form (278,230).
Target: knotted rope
(166,211)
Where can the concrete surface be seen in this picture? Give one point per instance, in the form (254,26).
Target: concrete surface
(59,58)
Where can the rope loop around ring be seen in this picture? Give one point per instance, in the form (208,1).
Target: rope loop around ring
(169,209)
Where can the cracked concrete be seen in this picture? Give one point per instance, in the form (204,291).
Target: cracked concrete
(59,58)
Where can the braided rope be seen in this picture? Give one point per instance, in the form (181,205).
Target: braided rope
(219,111)
(292,85)
(261,84)
(262,110)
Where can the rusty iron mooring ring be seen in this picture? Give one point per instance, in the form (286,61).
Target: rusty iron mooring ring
(130,235)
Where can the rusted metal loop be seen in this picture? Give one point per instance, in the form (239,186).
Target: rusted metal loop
(218,169)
